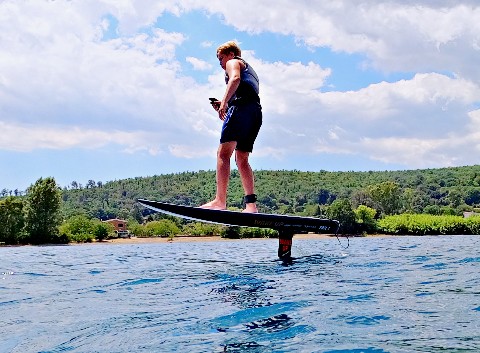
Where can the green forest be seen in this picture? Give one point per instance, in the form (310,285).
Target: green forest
(424,201)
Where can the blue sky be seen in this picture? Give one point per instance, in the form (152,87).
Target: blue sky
(102,90)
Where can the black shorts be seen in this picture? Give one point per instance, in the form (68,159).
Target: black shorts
(242,125)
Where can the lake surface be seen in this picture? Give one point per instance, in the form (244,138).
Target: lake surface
(400,294)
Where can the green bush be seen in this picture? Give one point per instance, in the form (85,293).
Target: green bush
(258,233)
(136,229)
(81,229)
(101,230)
(162,228)
(472,223)
(249,232)
(202,229)
(341,210)
(425,224)
(80,238)
(365,217)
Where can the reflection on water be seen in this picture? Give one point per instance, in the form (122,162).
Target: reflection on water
(404,294)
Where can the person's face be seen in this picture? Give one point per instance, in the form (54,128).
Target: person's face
(223,58)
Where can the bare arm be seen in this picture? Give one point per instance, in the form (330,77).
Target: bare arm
(233,69)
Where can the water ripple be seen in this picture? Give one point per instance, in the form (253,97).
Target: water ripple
(253,314)
(402,294)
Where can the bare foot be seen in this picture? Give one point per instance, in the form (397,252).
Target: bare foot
(214,205)
(250,208)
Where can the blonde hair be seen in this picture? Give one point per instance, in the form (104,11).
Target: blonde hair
(229,47)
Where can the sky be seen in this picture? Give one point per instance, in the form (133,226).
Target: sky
(105,90)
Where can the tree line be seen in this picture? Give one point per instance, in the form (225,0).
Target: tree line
(33,219)
(358,199)
(431,191)
(37,218)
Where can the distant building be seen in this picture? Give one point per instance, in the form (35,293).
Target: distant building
(118,224)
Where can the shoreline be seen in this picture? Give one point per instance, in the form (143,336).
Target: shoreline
(215,238)
(189,239)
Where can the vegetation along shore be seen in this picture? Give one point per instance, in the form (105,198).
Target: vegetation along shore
(412,202)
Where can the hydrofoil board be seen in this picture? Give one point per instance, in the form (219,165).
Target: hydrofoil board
(286,225)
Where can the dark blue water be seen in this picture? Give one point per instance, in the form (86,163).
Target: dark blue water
(402,294)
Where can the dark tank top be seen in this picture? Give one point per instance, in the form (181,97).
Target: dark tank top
(249,87)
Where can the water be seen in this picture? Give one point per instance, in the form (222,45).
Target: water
(402,294)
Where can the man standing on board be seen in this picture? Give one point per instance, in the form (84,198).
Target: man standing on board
(241,113)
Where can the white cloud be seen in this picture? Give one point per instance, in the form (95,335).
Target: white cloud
(187,151)
(133,14)
(63,73)
(385,100)
(285,86)
(198,64)
(206,44)
(428,114)
(25,137)
(63,86)
(394,35)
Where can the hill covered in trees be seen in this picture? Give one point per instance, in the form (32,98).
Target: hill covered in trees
(433,191)
(414,202)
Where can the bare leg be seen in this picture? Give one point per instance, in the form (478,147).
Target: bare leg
(224,153)
(246,174)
